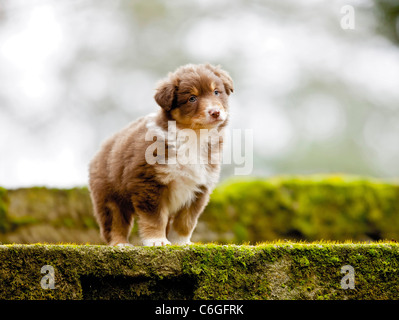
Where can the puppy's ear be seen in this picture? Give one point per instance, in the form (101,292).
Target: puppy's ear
(165,93)
(223,75)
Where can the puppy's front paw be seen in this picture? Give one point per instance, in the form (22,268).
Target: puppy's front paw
(156,242)
(183,243)
(124,245)
(180,240)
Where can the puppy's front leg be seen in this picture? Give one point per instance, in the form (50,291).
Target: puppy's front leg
(152,228)
(183,224)
(180,230)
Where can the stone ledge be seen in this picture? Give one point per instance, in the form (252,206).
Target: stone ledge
(266,271)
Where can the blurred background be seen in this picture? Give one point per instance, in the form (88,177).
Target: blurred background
(319,97)
(317,82)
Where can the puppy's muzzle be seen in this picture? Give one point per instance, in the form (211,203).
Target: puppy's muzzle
(214,113)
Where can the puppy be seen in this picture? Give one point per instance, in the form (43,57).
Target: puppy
(136,173)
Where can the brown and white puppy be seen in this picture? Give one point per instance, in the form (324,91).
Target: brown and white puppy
(165,196)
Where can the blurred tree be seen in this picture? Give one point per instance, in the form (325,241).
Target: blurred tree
(387,14)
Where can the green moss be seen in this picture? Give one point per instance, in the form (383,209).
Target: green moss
(266,271)
(52,215)
(4,201)
(304,208)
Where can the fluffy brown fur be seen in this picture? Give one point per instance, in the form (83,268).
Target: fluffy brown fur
(166,198)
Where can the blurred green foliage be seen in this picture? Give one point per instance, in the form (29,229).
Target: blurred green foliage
(304,208)
(317,207)
(388,16)
(3,210)
(40,214)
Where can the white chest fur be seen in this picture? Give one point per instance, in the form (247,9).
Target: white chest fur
(188,168)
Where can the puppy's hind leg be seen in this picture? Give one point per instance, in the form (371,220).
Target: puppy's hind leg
(121,225)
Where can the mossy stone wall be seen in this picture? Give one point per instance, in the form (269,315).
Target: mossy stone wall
(41,214)
(267,271)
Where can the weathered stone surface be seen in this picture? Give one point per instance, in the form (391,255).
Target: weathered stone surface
(266,271)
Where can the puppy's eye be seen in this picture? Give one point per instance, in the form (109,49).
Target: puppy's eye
(216,92)
(192,99)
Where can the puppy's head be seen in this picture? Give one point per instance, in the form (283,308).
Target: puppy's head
(196,96)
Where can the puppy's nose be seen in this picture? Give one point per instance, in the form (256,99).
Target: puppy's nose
(215,113)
